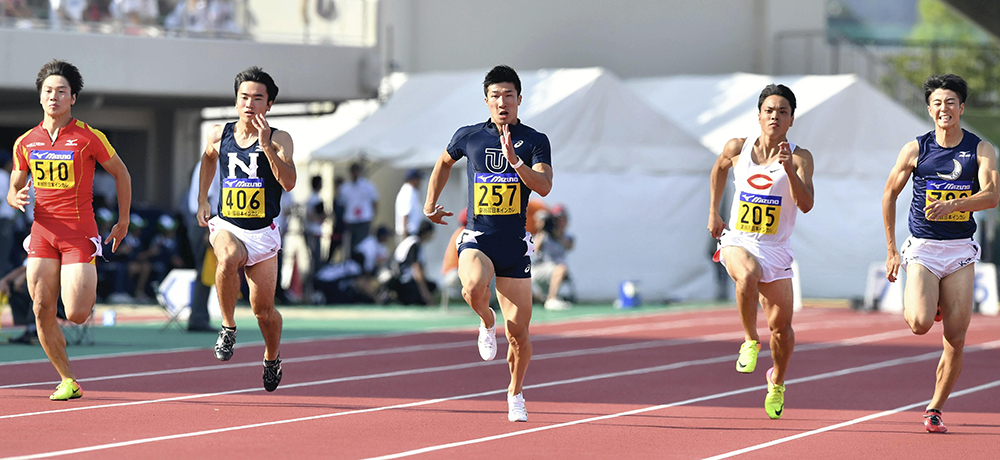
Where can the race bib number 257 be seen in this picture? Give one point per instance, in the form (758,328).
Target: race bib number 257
(497,194)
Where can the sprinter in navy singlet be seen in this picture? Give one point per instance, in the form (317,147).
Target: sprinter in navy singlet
(954,174)
(256,165)
(507,161)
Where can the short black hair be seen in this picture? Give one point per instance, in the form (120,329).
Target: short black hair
(946,81)
(317,182)
(62,69)
(426,228)
(501,74)
(256,74)
(777,90)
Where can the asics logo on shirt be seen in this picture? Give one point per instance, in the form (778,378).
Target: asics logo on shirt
(518,144)
(954,172)
(250,170)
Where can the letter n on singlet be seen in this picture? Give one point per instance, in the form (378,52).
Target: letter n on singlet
(234,161)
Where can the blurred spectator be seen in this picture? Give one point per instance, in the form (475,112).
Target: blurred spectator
(360,201)
(188,16)
(199,320)
(410,282)
(105,193)
(135,12)
(372,251)
(222,16)
(339,226)
(409,206)
(536,209)
(66,10)
(315,217)
(138,266)
(164,253)
(16,9)
(549,267)
(7,217)
(288,208)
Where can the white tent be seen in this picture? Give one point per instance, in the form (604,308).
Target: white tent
(634,183)
(854,133)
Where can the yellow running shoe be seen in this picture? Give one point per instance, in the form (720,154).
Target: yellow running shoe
(67,389)
(747,361)
(774,402)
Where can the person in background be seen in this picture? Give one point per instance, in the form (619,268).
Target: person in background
(412,286)
(549,260)
(409,208)
(360,201)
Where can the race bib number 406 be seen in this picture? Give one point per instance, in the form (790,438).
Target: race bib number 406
(759,213)
(52,169)
(243,198)
(497,194)
(938,190)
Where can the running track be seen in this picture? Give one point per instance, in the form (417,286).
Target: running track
(659,385)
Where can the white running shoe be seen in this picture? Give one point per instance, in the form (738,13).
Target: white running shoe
(488,339)
(557,304)
(515,408)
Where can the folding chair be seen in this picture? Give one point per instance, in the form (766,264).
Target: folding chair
(174,295)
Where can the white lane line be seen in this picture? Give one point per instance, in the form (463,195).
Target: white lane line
(611,330)
(366,335)
(975,389)
(823,376)
(493,392)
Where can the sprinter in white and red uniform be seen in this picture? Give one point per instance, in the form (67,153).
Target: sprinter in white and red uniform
(506,162)
(954,174)
(773,180)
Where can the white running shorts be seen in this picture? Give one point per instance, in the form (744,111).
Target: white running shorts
(261,244)
(775,261)
(941,257)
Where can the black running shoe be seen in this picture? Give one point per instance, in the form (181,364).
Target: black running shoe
(224,346)
(272,373)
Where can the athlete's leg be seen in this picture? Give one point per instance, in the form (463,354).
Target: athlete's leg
(231,255)
(957,298)
(262,277)
(43,286)
(777,300)
(514,295)
(920,298)
(476,271)
(745,271)
(79,290)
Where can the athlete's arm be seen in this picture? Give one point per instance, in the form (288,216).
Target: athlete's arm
(905,163)
(123,186)
(538,177)
(209,163)
(800,178)
(435,185)
(277,146)
(18,195)
(717,180)
(985,198)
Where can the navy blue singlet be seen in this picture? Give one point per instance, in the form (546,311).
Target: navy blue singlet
(251,196)
(944,174)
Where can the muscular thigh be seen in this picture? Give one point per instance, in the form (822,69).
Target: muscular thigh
(261,279)
(777,300)
(79,287)
(514,295)
(739,262)
(474,267)
(43,276)
(957,296)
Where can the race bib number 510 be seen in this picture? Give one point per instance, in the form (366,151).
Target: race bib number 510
(52,169)
(497,194)
(938,190)
(759,213)
(243,198)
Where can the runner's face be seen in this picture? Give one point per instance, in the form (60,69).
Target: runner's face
(945,108)
(775,116)
(252,100)
(55,96)
(502,99)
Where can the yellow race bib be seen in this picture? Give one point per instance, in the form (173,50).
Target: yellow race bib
(938,190)
(52,169)
(243,198)
(759,213)
(497,194)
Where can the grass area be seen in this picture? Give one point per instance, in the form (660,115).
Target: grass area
(135,332)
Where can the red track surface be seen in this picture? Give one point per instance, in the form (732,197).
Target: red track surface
(652,386)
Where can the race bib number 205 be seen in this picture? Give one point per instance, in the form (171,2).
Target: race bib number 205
(497,194)
(52,169)
(759,213)
(243,198)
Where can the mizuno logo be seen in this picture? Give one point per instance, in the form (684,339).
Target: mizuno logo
(955,173)
(518,144)
(964,154)
(71,143)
